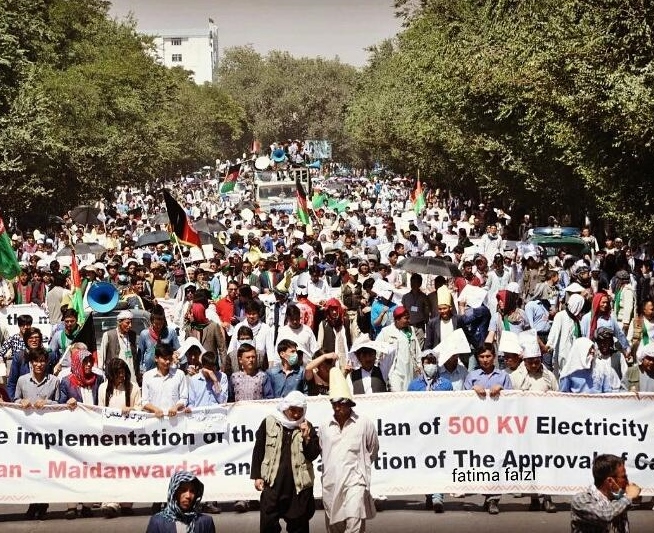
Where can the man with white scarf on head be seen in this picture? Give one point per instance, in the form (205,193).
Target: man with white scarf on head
(286,445)
(565,329)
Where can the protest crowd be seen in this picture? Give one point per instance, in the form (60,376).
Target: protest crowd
(397,287)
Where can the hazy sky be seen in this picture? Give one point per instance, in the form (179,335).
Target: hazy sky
(326,28)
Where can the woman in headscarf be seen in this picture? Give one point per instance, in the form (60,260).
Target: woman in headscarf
(80,386)
(334,331)
(182,512)
(565,329)
(600,317)
(118,392)
(580,374)
(286,445)
(157,333)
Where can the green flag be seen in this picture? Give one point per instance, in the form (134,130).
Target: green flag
(318,200)
(76,296)
(337,205)
(9,267)
(302,209)
(419,203)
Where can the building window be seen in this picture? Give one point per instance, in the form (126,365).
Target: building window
(177,41)
(177,58)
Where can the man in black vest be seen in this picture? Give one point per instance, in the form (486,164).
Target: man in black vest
(368,378)
(121,342)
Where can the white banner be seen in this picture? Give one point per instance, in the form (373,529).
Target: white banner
(429,442)
(9,316)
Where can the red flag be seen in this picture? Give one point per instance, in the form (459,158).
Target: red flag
(256,147)
(76,296)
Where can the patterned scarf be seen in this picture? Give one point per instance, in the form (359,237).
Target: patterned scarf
(173,512)
(77,376)
(155,336)
(595,313)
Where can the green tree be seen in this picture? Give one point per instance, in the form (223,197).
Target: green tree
(289,98)
(88,108)
(543,102)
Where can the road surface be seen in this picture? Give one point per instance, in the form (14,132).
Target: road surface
(401,514)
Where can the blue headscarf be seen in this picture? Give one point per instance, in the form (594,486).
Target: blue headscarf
(173,512)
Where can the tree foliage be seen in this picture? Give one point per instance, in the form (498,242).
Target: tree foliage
(84,106)
(541,101)
(290,98)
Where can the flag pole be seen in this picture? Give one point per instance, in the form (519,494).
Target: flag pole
(179,249)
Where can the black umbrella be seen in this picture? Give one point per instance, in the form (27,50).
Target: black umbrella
(430,265)
(81,248)
(207,238)
(209,225)
(152,238)
(85,214)
(96,248)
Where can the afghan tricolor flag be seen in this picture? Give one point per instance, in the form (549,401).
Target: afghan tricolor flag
(302,208)
(419,199)
(230,180)
(76,296)
(180,225)
(9,267)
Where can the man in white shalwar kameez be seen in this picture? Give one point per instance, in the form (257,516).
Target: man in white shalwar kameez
(349,446)
(401,366)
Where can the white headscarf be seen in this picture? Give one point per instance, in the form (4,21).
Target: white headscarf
(576,304)
(643,351)
(292,399)
(578,359)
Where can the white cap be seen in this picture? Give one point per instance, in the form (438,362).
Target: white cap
(644,350)
(432,351)
(513,287)
(125,315)
(574,288)
(509,343)
(529,342)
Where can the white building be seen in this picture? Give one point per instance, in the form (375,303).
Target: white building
(194,50)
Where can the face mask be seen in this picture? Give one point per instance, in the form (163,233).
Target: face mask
(292,359)
(617,495)
(430,370)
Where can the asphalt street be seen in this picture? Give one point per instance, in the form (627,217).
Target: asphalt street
(403,514)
